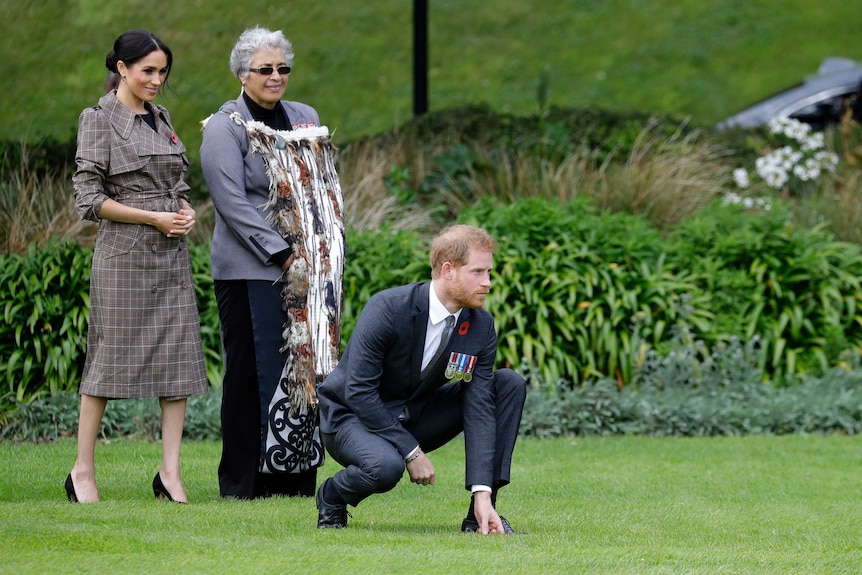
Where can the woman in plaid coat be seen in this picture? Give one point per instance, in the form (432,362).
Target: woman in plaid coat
(144,331)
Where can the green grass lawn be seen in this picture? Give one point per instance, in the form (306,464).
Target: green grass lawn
(757,505)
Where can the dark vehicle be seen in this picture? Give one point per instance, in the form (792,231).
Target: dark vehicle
(820,100)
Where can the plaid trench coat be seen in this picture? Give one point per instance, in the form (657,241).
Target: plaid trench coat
(144,335)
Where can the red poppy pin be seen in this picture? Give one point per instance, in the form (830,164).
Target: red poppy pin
(462,329)
(174,138)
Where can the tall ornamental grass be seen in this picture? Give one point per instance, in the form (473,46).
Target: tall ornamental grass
(37,206)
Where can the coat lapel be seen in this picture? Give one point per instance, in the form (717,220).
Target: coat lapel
(150,142)
(420,325)
(121,118)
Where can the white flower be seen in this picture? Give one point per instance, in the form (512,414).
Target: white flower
(802,159)
(808,170)
(772,168)
(812,142)
(774,175)
(731,198)
(790,128)
(827,160)
(734,199)
(776,125)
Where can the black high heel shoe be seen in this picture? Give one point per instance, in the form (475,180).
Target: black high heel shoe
(70,489)
(160,492)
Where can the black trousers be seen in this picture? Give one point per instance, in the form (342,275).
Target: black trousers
(251,318)
(373,465)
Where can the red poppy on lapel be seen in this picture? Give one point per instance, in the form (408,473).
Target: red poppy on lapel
(173,138)
(462,329)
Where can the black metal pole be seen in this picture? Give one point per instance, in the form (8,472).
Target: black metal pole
(420,57)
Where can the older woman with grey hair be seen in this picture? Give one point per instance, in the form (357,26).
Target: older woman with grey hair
(248,259)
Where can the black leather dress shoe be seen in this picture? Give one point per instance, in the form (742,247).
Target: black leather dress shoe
(330,516)
(472,526)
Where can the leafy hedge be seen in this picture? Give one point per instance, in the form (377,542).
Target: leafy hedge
(799,289)
(579,293)
(583,294)
(376,261)
(579,296)
(41,157)
(695,392)
(722,395)
(605,134)
(56,416)
(45,303)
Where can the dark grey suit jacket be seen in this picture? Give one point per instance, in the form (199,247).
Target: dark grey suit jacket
(379,374)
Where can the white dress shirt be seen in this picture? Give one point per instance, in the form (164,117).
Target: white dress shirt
(437,314)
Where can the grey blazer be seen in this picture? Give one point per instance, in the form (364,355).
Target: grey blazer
(379,374)
(243,243)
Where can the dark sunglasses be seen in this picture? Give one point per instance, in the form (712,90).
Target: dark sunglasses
(267,70)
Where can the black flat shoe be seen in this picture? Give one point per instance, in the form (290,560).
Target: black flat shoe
(160,492)
(70,489)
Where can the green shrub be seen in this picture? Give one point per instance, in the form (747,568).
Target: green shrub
(607,134)
(693,391)
(577,293)
(530,225)
(796,288)
(689,394)
(39,157)
(45,303)
(199,256)
(56,416)
(50,156)
(378,260)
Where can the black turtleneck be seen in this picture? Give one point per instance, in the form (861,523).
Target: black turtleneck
(275,118)
(149,119)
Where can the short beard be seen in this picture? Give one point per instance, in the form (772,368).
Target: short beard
(464,298)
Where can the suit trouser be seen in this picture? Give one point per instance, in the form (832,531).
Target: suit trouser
(251,319)
(373,465)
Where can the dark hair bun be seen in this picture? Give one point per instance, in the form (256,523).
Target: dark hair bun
(111,62)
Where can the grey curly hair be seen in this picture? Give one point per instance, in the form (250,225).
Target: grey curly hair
(252,40)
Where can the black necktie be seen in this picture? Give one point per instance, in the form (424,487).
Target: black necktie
(444,339)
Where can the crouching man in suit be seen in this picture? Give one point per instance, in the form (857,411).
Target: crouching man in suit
(417,371)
